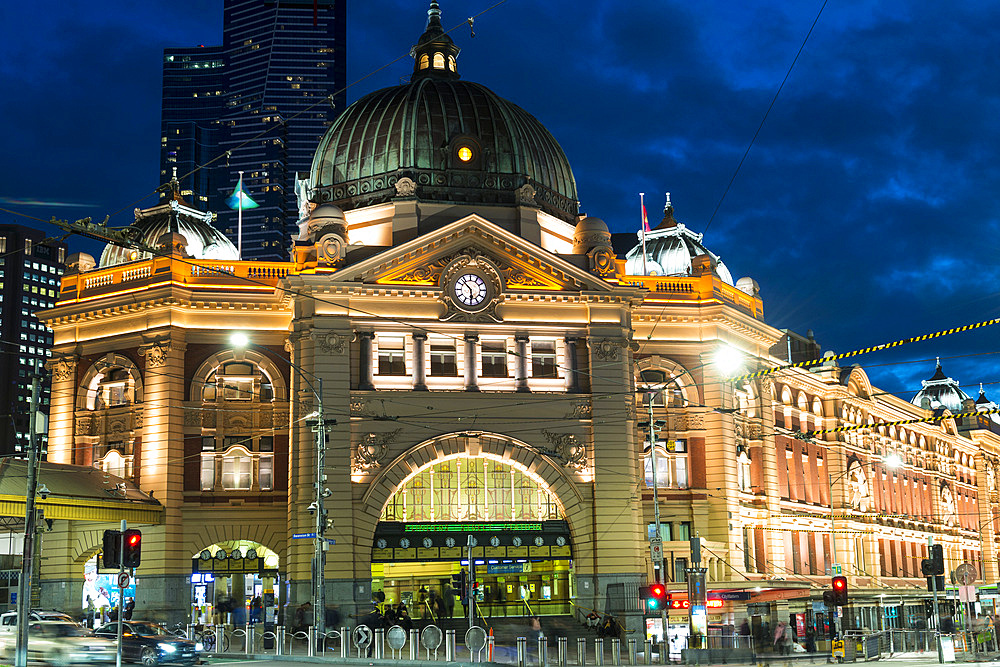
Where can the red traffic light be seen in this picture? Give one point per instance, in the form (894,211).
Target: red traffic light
(657,590)
(839,583)
(132,548)
(134,539)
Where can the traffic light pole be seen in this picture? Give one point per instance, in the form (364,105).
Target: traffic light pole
(470,594)
(121,594)
(28,550)
(657,555)
(937,614)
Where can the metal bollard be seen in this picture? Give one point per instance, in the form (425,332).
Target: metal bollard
(543,651)
(664,653)
(449,646)
(562,648)
(647,652)
(599,652)
(490,643)
(414,644)
(279,639)
(249,640)
(522,651)
(219,635)
(632,653)
(345,643)
(311,641)
(379,643)
(581,651)
(616,652)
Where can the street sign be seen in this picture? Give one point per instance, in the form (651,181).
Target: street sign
(362,637)
(430,637)
(395,637)
(965,574)
(123,580)
(837,568)
(838,648)
(303,536)
(656,549)
(475,639)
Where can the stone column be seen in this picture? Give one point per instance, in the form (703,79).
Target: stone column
(62,407)
(521,370)
(419,361)
(572,366)
(471,362)
(985,520)
(774,544)
(366,379)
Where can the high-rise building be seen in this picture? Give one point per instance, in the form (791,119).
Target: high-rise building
(194,89)
(281,71)
(30,267)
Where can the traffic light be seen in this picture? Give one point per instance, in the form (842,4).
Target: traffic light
(111,549)
(654,595)
(927,567)
(132,552)
(458,582)
(937,558)
(829,599)
(840,591)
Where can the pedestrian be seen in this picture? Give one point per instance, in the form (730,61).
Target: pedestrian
(449,601)
(422,602)
(256,610)
(91,612)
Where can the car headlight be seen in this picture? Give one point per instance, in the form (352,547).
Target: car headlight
(167,648)
(199,646)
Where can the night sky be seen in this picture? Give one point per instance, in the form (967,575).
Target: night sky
(866,210)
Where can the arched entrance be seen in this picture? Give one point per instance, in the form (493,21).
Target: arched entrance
(235,582)
(521,545)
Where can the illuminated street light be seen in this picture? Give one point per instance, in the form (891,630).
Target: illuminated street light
(728,359)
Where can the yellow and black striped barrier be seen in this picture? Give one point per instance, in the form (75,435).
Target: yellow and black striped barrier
(901,422)
(876,348)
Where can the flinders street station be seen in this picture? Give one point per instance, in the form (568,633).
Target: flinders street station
(455,367)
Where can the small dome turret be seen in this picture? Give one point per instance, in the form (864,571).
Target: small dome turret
(435,54)
(940,391)
(671,250)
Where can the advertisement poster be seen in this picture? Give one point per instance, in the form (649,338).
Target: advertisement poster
(102,589)
(800,625)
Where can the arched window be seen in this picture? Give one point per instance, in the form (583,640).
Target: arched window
(237,469)
(111,386)
(424,61)
(671,464)
(438,61)
(238,381)
(743,470)
(116,464)
(451,63)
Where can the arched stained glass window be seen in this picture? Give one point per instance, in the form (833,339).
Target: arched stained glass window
(472,489)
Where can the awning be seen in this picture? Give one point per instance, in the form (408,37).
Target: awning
(76,493)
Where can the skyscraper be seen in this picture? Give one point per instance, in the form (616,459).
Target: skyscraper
(30,267)
(278,68)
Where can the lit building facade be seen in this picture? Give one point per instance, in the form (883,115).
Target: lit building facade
(30,268)
(258,104)
(488,360)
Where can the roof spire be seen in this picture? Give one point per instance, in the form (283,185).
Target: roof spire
(435,52)
(938,372)
(668,215)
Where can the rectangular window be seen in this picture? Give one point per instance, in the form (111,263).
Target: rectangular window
(266,473)
(267,443)
(443,358)
(543,359)
(208,444)
(684,531)
(237,472)
(680,569)
(494,359)
(207,473)
(234,440)
(237,389)
(390,355)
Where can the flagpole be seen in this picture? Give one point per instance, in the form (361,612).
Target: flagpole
(239,228)
(642,205)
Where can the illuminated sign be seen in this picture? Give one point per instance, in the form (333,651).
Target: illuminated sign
(686,604)
(468,527)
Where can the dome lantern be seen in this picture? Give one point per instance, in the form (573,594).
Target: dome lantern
(435,53)
(940,391)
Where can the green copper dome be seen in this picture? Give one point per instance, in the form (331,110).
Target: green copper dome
(457,141)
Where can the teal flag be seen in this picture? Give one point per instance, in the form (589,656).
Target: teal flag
(240,196)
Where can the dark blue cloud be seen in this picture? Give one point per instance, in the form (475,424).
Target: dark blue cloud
(865,210)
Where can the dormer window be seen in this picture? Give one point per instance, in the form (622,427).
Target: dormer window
(451,63)
(438,61)
(425,61)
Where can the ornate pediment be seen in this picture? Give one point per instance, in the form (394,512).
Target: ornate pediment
(522,265)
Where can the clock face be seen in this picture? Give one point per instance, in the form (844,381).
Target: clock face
(561,541)
(405,543)
(428,542)
(517,541)
(450,542)
(495,541)
(470,290)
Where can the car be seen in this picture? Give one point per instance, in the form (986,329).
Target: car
(62,643)
(149,643)
(8,621)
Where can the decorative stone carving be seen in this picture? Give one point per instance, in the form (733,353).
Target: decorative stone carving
(526,195)
(373,449)
(568,448)
(602,261)
(62,368)
(406,187)
(155,353)
(695,422)
(84,426)
(359,408)
(265,418)
(208,418)
(137,419)
(241,419)
(192,417)
(331,343)
(331,250)
(580,410)
(280,419)
(609,349)
(117,426)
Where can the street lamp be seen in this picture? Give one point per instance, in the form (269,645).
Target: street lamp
(240,340)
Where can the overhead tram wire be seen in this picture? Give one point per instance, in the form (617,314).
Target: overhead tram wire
(766,114)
